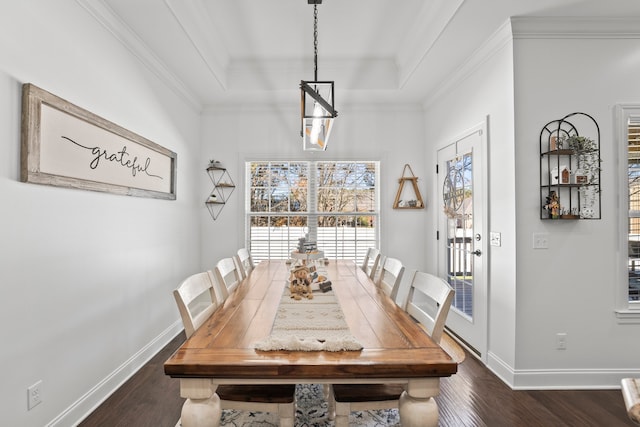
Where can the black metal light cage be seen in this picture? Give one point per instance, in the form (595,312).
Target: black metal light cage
(317,100)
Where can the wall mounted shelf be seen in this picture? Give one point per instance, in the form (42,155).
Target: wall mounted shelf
(415,202)
(223,186)
(570,169)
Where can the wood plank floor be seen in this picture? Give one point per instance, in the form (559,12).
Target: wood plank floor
(472,397)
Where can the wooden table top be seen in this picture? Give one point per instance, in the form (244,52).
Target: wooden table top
(394,345)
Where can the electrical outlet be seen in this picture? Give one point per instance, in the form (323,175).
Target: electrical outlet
(561,341)
(540,240)
(495,239)
(34,394)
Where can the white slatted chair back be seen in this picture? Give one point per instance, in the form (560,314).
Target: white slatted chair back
(429,301)
(241,271)
(196,301)
(390,276)
(371,262)
(227,277)
(245,262)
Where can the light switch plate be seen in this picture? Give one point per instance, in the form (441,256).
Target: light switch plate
(540,240)
(495,238)
(34,395)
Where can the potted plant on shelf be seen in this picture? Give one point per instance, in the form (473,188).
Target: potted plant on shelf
(588,170)
(587,153)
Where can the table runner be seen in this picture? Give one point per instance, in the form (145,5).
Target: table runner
(309,325)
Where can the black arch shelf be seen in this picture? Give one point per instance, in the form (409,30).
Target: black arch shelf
(572,175)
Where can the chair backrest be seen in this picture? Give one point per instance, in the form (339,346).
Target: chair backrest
(245,262)
(390,276)
(227,276)
(241,271)
(370,263)
(429,301)
(196,300)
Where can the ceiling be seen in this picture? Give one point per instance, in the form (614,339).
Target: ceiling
(242,52)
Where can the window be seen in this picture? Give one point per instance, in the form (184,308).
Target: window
(633,175)
(628,135)
(334,203)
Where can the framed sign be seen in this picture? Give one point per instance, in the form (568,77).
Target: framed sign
(67,146)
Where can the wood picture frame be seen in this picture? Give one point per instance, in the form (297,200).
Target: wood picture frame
(66,146)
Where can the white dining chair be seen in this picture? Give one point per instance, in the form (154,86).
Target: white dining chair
(631,393)
(227,276)
(371,262)
(241,271)
(428,303)
(390,276)
(245,263)
(197,301)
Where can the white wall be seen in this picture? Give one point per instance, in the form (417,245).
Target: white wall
(482,90)
(394,136)
(85,277)
(570,287)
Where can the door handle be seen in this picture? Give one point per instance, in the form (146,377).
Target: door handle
(477,252)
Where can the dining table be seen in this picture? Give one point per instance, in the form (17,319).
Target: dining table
(393,346)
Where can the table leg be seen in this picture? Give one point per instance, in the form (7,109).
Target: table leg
(327,391)
(202,407)
(417,406)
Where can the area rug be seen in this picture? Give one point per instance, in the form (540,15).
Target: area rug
(312,411)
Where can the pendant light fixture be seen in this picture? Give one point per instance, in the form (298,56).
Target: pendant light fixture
(316,101)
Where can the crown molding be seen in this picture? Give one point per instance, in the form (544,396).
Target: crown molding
(494,44)
(123,33)
(540,28)
(558,27)
(193,18)
(431,22)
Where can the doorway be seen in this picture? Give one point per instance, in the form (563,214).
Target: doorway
(462,242)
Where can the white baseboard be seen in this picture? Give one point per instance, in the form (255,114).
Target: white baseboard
(503,370)
(558,379)
(82,407)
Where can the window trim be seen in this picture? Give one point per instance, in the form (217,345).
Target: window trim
(626,311)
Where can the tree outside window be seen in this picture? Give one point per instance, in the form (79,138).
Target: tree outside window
(337,206)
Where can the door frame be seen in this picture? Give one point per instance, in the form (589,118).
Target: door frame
(480,348)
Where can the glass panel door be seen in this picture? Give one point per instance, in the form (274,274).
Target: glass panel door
(461,219)
(457,195)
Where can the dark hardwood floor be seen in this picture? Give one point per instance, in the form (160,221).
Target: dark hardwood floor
(472,397)
(148,399)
